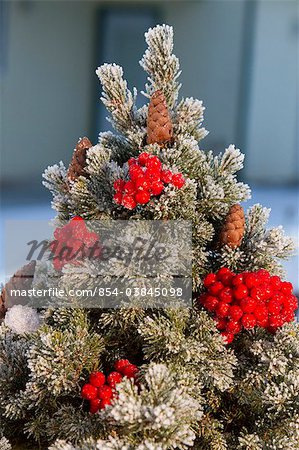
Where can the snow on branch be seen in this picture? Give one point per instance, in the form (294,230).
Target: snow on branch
(161,64)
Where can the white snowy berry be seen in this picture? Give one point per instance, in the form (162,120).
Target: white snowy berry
(22,319)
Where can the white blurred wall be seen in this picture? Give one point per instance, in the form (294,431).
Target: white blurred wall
(45,87)
(272,134)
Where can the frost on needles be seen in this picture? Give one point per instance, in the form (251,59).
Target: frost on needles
(195,391)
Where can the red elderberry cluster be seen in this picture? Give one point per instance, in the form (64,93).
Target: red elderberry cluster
(146,178)
(247,300)
(100,390)
(74,242)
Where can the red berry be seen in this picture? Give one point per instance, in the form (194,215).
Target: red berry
(94,405)
(76,228)
(222,310)
(220,324)
(257,293)
(143,158)
(248,321)
(248,305)
(166,176)
(227,280)
(226,295)
(130,188)
(135,172)
(215,288)
(209,279)
(279,298)
(263,323)
(290,302)
(233,326)
(152,175)
(154,162)
(119,184)
(178,180)
(223,271)
(114,378)
(235,312)
(261,315)
(263,275)
(237,280)
(74,245)
(142,197)
(142,183)
(211,303)
(97,379)
(275,282)
(89,392)
(287,315)
(120,364)
(261,312)
(240,291)
(130,371)
(129,202)
(274,307)
(105,392)
(228,337)
(251,280)
(132,161)
(157,187)
(275,321)
(77,218)
(267,290)
(59,234)
(286,288)
(118,198)
(293,302)
(225,276)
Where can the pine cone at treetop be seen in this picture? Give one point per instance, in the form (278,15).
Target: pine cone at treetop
(232,231)
(159,125)
(21,280)
(78,162)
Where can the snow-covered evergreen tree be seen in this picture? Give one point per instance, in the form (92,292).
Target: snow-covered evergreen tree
(194,390)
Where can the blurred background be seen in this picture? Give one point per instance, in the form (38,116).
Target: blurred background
(240,57)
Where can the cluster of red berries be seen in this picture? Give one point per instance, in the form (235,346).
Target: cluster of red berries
(146,178)
(247,300)
(74,242)
(101,389)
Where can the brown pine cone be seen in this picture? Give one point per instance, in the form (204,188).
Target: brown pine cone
(2,304)
(159,125)
(232,231)
(21,280)
(78,162)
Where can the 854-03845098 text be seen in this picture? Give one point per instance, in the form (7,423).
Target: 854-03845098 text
(101,291)
(151,293)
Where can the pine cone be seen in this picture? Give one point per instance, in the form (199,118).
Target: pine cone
(233,229)
(78,162)
(21,280)
(2,304)
(159,125)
